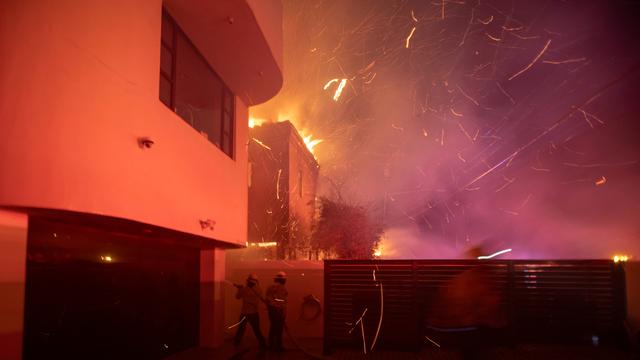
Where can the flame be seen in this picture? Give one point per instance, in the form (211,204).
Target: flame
(289,115)
(377,251)
(253,122)
(309,141)
(620,258)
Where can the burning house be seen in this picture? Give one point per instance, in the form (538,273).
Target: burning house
(282,189)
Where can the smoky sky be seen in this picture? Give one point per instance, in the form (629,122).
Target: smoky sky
(510,124)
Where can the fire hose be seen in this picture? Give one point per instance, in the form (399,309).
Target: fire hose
(309,301)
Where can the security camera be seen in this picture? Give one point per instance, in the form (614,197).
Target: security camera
(145,143)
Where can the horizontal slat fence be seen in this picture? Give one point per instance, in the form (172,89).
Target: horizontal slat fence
(554,300)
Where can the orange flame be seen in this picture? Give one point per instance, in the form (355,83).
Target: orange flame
(253,122)
(309,141)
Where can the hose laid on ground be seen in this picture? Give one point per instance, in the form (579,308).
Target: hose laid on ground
(300,347)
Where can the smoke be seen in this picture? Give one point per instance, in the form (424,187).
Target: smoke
(408,243)
(505,124)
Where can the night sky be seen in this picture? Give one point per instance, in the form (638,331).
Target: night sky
(509,124)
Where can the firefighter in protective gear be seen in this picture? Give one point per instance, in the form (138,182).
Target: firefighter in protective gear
(251,296)
(277,306)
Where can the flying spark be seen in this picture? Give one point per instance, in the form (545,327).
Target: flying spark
(493,37)
(361,322)
(467,96)
(261,143)
(371,79)
(278,184)
(433,342)
(413,16)
(375,337)
(326,86)
(484,257)
(505,93)
(532,62)
(238,323)
(455,113)
(338,92)
(488,21)
(464,131)
(569,61)
(406,43)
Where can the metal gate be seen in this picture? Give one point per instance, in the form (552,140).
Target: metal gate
(544,300)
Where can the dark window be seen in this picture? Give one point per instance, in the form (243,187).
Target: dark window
(192,89)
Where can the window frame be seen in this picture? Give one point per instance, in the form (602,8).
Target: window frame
(225,95)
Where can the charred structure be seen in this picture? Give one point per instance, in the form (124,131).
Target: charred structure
(283,175)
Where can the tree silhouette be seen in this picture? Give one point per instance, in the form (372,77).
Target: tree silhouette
(345,230)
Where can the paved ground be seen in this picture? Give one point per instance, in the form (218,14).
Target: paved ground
(313,350)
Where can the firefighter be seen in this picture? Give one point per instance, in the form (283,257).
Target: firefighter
(251,296)
(277,306)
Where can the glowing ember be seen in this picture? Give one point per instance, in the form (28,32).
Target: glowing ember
(546,46)
(379,284)
(326,86)
(278,184)
(406,43)
(238,323)
(263,244)
(433,342)
(601,181)
(338,92)
(261,143)
(413,16)
(483,257)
